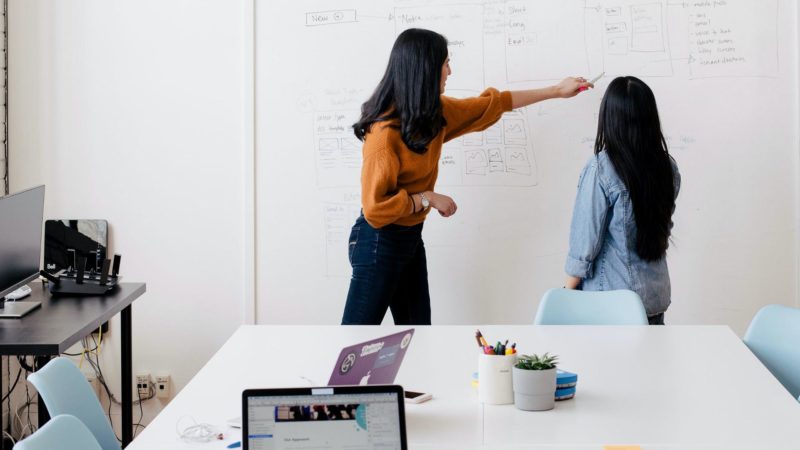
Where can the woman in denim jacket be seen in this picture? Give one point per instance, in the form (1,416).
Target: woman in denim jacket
(622,219)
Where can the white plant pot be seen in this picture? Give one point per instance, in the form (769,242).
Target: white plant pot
(534,390)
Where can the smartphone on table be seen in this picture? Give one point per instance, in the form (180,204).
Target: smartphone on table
(417,397)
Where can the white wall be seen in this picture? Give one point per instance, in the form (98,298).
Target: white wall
(137,112)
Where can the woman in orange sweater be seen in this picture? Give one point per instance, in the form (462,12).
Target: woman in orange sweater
(403,126)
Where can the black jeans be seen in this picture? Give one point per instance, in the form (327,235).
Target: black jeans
(389,272)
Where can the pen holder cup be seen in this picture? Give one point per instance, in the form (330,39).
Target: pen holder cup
(494,379)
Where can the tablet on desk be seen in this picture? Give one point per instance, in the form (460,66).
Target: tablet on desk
(15,310)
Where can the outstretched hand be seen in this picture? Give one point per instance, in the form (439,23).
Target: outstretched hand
(570,86)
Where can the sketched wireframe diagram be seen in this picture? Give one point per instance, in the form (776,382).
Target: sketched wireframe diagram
(541,40)
(337,151)
(462,24)
(534,39)
(501,155)
(338,217)
(517,44)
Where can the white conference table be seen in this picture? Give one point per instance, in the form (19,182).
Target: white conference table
(671,387)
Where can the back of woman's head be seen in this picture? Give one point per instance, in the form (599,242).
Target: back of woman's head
(629,131)
(410,89)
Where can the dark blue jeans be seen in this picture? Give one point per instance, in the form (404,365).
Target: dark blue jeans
(658,319)
(389,272)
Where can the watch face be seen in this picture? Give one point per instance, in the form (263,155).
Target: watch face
(425,202)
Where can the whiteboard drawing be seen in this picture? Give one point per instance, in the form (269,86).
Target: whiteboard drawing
(634,37)
(515,181)
(337,152)
(724,42)
(339,215)
(462,25)
(501,155)
(544,31)
(314,19)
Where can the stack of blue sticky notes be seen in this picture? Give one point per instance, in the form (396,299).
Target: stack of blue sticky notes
(566,382)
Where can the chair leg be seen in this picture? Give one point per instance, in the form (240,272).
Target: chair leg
(43,415)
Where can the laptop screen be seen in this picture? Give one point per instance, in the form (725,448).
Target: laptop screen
(321,418)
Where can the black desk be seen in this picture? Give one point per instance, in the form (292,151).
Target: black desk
(63,321)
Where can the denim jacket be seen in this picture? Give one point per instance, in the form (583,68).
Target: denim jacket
(602,242)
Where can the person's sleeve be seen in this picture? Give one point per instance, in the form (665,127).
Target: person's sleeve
(588,223)
(474,114)
(382,201)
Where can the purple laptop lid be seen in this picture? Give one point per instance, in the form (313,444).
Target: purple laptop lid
(372,362)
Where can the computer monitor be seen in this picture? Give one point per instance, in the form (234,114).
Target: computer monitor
(21,217)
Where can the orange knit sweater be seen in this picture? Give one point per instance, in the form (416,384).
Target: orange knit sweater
(391,172)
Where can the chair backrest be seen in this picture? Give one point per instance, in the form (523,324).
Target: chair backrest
(573,307)
(65,390)
(774,337)
(62,432)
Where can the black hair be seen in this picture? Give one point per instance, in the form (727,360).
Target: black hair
(629,131)
(409,90)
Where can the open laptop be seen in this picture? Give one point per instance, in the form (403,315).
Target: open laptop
(376,361)
(351,417)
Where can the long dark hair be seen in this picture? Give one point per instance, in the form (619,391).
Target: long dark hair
(629,131)
(409,90)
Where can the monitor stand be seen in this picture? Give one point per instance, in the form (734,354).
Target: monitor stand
(15,310)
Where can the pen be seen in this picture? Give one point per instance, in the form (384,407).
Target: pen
(480,336)
(236,444)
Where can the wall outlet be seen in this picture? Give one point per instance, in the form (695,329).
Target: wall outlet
(162,386)
(143,384)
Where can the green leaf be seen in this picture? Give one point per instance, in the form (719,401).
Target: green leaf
(536,362)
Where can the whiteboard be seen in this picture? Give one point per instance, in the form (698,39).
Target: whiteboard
(724,74)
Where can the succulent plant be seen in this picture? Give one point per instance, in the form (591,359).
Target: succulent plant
(536,362)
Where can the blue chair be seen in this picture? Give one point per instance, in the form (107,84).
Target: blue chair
(62,432)
(774,337)
(573,307)
(65,390)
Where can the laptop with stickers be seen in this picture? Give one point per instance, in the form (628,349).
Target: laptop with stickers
(376,361)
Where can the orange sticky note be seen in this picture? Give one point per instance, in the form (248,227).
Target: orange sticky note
(621,447)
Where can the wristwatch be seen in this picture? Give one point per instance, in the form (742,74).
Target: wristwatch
(425,203)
